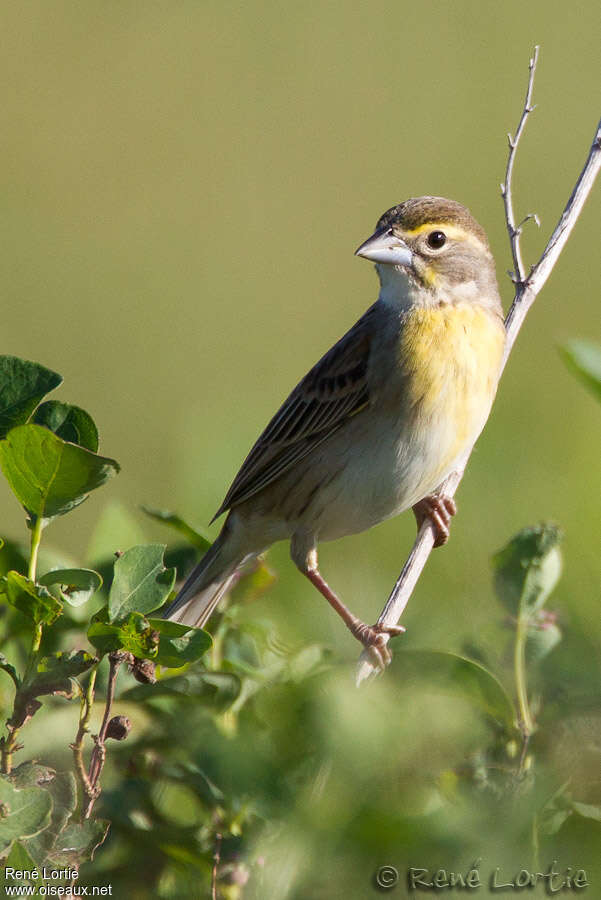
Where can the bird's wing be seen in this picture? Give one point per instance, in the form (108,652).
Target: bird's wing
(334,390)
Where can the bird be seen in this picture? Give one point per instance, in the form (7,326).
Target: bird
(380,421)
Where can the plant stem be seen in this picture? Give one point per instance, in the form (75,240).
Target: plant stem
(535,844)
(9,744)
(77,746)
(216,861)
(217,646)
(519,671)
(99,751)
(36,536)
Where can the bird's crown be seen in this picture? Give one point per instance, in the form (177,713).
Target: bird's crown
(420,213)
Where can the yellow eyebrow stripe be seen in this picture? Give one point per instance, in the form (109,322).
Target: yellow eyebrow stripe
(455,232)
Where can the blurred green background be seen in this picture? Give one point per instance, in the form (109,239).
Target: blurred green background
(184,185)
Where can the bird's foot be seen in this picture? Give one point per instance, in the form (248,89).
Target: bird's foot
(439,509)
(373,638)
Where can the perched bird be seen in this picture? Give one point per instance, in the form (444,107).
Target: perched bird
(379,422)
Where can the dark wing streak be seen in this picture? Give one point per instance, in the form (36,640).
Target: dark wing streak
(333,391)
(280,465)
(327,412)
(274,430)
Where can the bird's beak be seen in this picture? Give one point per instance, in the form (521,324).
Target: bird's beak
(384,247)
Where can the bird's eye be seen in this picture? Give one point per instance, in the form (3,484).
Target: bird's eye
(437,239)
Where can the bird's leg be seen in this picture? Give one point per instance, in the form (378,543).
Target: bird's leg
(371,636)
(439,509)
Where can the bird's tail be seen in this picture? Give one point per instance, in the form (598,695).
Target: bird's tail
(204,587)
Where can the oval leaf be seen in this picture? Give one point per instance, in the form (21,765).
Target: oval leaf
(527,569)
(77,843)
(132,634)
(174,521)
(19,858)
(47,475)
(71,423)
(76,586)
(540,640)
(584,359)
(54,672)
(217,690)
(31,599)
(472,678)
(22,385)
(24,812)
(62,787)
(179,644)
(141,582)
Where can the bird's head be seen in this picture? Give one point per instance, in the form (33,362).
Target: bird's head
(437,245)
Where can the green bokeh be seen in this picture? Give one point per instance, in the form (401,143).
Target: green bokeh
(184,185)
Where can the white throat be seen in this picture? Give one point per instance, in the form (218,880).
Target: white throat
(396,290)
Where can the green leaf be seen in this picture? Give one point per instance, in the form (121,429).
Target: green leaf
(31,774)
(216,690)
(449,670)
(541,638)
(182,557)
(63,790)
(586,810)
(20,860)
(57,667)
(133,634)
(48,476)
(141,582)
(179,644)
(527,569)
(77,844)
(71,423)
(205,789)
(555,811)
(22,386)
(306,662)
(174,521)
(584,359)
(55,675)
(23,813)
(76,586)
(31,599)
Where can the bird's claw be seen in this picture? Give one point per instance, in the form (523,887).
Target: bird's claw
(374,639)
(439,509)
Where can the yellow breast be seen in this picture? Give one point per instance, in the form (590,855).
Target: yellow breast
(451,355)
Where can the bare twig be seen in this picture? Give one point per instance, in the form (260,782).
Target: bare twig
(88,792)
(527,289)
(515,232)
(216,861)
(99,751)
